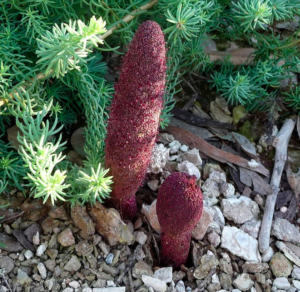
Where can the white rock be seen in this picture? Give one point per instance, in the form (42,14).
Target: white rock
(227,190)
(164,274)
(184,148)
(283,209)
(243,282)
(180,286)
(266,257)
(233,290)
(153,184)
(211,192)
(193,156)
(173,157)
(252,227)
(253,163)
(240,243)
(140,237)
(296,284)
(218,216)
(217,176)
(215,279)
(110,289)
(156,284)
(296,273)
(87,289)
(41,249)
(285,230)
(111,284)
(68,290)
(174,146)
(240,210)
(281,283)
(28,254)
(189,168)
(36,238)
(42,270)
(74,284)
(214,238)
(159,158)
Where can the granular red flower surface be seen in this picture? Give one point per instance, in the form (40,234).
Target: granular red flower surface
(134,115)
(179,208)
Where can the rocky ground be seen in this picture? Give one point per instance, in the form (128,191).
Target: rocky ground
(93,250)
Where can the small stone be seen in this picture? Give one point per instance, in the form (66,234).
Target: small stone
(288,253)
(164,274)
(110,289)
(296,273)
(280,265)
(227,190)
(23,278)
(200,229)
(50,265)
(28,254)
(240,243)
(41,249)
(156,284)
(296,284)
(104,247)
(7,264)
(111,284)
(50,283)
(218,216)
(87,289)
(254,267)
(140,237)
(68,290)
(153,184)
(243,282)
(281,283)
(73,264)
(141,268)
(285,230)
(36,238)
(180,286)
(184,148)
(174,146)
(82,220)
(42,270)
(74,284)
(214,238)
(66,238)
(252,227)
(283,209)
(189,168)
(109,258)
(207,263)
(83,248)
(240,210)
(3,289)
(225,281)
(193,156)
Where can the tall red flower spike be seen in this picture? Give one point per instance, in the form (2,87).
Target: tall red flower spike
(134,115)
(179,208)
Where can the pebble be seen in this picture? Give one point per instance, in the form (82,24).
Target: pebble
(141,268)
(252,227)
(280,265)
(240,210)
(284,230)
(207,263)
(23,278)
(296,284)
(288,253)
(7,263)
(174,146)
(296,273)
(73,264)
(28,254)
(87,289)
(156,284)
(41,249)
(164,274)
(36,238)
(189,168)
(42,270)
(281,283)
(180,286)
(243,282)
(184,148)
(200,229)
(227,190)
(109,258)
(214,238)
(240,243)
(68,290)
(66,238)
(110,289)
(140,237)
(74,284)
(153,184)
(192,156)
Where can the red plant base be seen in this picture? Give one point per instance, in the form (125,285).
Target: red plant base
(127,207)
(174,249)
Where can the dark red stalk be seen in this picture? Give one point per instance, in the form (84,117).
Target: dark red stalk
(134,115)
(179,208)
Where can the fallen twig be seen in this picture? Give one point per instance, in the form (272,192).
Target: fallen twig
(194,141)
(192,119)
(280,143)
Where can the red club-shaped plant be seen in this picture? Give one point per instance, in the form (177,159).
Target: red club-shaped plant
(134,115)
(179,208)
